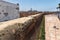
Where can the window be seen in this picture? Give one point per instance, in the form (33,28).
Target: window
(0,13)
(17,8)
(2,10)
(0,5)
(5,20)
(6,14)
(17,3)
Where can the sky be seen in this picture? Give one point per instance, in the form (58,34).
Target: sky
(40,5)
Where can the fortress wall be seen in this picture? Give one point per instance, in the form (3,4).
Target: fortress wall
(52,27)
(17,28)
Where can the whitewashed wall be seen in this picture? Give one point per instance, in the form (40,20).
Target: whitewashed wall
(10,8)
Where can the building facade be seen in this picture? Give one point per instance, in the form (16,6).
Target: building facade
(8,11)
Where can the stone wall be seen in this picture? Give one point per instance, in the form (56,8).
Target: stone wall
(27,13)
(16,29)
(52,27)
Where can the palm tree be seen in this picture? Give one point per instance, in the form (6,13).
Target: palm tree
(58,9)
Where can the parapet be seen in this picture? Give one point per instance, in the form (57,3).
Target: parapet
(9,29)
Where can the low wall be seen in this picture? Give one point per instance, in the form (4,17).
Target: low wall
(17,29)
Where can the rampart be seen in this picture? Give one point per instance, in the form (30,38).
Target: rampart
(18,29)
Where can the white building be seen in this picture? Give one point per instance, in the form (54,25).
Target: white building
(8,11)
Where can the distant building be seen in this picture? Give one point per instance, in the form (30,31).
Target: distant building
(8,11)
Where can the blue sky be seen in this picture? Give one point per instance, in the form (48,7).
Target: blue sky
(40,5)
